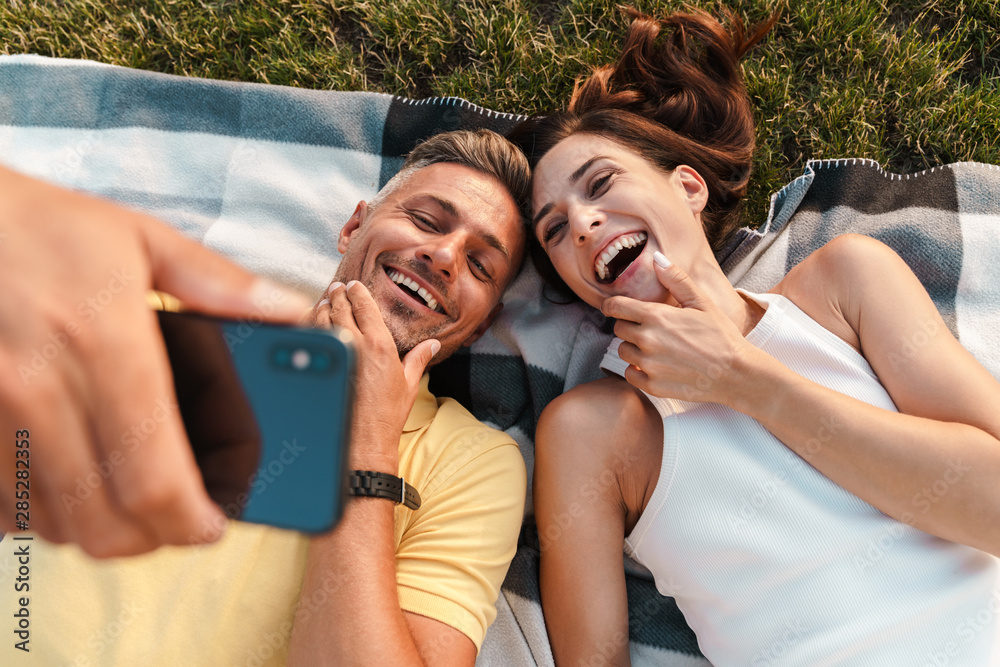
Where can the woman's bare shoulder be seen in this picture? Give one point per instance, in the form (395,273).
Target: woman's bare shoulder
(608,410)
(827,284)
(604,426)
(606,399)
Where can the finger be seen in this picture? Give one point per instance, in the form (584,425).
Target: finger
(309,317)
(80,497)
(677,282)
(133,406)
(59,482)
(366,311)
(631,354)
(341,310)
(207,282)
(320,315)
(42,498)
(636,377)
(629,331)
(416,360)
(625,308)
(26,406)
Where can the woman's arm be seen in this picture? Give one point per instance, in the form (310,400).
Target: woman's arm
(936,464)
(587,492)
(933,465)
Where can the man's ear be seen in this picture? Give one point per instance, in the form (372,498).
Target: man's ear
(481,329)
(695,189)
(352,225)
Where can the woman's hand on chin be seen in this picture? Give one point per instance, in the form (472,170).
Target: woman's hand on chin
(691,351)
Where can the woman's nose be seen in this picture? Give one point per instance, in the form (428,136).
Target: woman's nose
(584,220)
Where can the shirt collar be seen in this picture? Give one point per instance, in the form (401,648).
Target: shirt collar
(424,408)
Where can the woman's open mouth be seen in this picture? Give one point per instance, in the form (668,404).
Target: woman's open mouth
(618,256)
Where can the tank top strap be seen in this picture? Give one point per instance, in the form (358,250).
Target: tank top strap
(612,363)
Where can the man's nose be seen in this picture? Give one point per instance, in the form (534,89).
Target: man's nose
(442,255)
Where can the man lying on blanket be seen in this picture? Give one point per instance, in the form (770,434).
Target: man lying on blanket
(431,254)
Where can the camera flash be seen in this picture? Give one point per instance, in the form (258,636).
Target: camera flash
(300,359)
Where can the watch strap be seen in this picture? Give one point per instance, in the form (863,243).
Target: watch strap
(373,484)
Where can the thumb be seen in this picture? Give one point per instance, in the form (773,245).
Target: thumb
(677,281)
(207,282)
(416,360)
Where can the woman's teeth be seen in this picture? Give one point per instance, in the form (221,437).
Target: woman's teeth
(409,283)
(626,241)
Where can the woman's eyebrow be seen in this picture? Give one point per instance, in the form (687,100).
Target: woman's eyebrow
(544,211)
(573,178)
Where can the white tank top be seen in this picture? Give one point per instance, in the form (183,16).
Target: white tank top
(774,564)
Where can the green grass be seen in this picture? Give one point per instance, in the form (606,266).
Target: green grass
(910,84)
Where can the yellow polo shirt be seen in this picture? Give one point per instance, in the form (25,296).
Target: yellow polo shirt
(232,603)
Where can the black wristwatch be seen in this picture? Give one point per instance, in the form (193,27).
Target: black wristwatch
(383,485)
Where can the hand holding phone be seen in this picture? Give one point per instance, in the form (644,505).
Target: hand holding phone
(267,409)
(83,366)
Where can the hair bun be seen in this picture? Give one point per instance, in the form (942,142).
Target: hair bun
(682,71)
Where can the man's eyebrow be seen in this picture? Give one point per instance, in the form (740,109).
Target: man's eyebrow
(490,239)
(573,178)
(494,242)
(445,205)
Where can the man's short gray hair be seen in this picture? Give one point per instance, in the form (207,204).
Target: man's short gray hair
(483,150)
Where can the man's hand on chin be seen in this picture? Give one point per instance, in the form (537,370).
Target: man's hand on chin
(385,386)
(362,548)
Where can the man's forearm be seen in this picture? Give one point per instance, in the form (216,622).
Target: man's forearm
(349,611)
(358,621)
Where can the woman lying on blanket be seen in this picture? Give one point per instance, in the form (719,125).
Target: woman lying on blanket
(803,481)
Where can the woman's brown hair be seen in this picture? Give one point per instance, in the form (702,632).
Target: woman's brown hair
(675,95)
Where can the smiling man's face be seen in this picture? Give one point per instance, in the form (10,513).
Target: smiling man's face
(436,254)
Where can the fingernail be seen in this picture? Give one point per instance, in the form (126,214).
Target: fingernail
(352,284)
(323,302)
(278,301)
(435,347)
(661,260)
(333,286)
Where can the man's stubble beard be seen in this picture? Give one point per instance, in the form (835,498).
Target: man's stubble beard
(404,336)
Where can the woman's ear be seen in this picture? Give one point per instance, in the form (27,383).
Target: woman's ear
(695,190)
(352,225)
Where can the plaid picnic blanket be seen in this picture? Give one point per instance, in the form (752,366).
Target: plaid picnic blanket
(266,175)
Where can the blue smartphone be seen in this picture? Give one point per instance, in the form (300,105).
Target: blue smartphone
(267,409)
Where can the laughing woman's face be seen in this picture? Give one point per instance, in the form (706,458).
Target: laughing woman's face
(600,211)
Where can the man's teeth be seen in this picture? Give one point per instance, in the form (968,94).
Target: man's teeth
(405,281)
(627,241)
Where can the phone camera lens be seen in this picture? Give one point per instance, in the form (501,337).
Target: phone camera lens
(283,356)
(301,359)
(321,362)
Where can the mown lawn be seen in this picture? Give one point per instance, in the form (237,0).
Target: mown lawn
(910,84)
